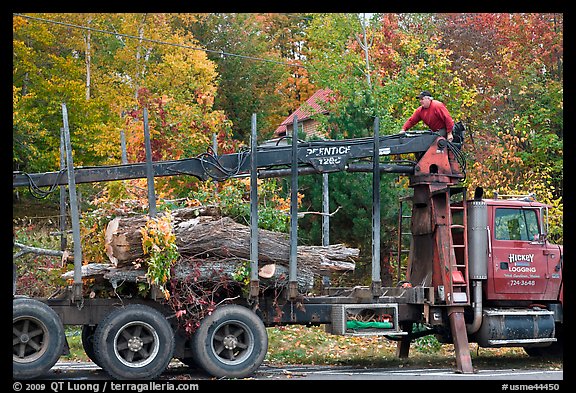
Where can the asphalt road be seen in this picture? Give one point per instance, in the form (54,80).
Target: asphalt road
(72,371)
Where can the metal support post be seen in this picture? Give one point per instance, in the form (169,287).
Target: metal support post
(77,285)
(215,151)
(149,168)
(254,281)
(403,344)
(292,283)
(325,211)
(62,218)
(376,281)
(460,337)
(325,221)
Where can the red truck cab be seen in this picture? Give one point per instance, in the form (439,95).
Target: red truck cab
(522,263)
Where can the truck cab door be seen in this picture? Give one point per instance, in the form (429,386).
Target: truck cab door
(554,254)
(519,262)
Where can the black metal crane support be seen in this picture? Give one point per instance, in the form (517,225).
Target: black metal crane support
(320,156)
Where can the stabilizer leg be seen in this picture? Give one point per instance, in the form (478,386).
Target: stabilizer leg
(403,345)
(461,347)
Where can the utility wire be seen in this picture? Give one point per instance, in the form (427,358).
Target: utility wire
(220,52)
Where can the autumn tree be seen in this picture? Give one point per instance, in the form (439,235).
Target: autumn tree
(250,69)
(287,35)
(48,69)
(515,63)
(205,74)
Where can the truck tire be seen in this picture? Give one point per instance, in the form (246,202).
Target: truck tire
(231,342)
(190,361)
(88,342)
(37,338)
(134,342)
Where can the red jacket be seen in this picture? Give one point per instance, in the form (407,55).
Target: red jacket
(436,116)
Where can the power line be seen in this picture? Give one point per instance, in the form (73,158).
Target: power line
(220,52)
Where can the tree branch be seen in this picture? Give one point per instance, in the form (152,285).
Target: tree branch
(36,250)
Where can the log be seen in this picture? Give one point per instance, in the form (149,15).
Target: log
(280,278)
(222,237)
(123,241)
(89,270)
(226,238)
(198,270)
(109,273)
(270,276)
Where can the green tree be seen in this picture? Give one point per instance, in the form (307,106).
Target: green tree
(403,63)
(338,61)
(246,85)
(48,70)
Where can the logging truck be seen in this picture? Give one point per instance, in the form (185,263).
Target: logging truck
(478,269)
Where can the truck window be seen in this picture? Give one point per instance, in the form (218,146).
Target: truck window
(516,224)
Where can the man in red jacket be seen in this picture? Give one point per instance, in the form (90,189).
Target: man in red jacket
(434,114)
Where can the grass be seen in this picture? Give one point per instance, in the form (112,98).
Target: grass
(302,345)
(312,345)
(74,338)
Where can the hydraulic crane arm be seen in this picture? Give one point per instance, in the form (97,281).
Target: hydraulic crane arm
(321,156)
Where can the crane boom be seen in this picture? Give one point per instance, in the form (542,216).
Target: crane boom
(272,160)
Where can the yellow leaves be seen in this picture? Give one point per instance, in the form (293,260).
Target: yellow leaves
(18,22)
(283,204)
(192,202)
(157,234)
(159,242)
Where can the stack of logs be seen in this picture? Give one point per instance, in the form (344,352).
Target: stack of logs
(212,244)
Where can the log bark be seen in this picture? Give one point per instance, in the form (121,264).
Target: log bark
(214,269)
(204,237)
(198,270)
(123,241)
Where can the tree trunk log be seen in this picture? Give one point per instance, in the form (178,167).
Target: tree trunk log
(123,241)
(213,237)
(213,269)
(198,270)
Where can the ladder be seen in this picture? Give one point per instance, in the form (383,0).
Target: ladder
(402,232)
(459,288)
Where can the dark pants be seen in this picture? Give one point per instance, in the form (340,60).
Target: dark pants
(442,132)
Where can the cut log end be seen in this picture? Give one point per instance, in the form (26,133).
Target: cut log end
(267,271)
